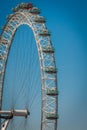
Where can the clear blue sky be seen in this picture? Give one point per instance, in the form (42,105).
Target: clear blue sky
(67,21)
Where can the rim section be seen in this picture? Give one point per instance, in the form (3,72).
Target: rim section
(46,59)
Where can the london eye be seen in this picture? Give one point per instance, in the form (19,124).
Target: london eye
(28,73)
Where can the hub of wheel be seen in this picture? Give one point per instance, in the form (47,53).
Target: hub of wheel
(9,114)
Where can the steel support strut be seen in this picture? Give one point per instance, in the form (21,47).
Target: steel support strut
(5,124)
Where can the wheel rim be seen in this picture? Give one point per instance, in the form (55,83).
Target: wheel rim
(46,59)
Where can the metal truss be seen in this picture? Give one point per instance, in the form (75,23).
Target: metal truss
(46,58)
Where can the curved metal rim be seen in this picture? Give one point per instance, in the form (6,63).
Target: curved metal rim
(29,18)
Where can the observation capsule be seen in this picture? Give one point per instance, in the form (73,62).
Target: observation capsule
(44,33)
(40,19)
(48,49)
(22,5)
(34,10)
(50,70)
(51,116)
(52,91)
(26,6)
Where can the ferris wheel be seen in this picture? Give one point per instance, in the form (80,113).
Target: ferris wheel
(12,117)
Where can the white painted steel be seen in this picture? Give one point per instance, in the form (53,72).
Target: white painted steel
(49,80)
(5,125)
(15,113)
